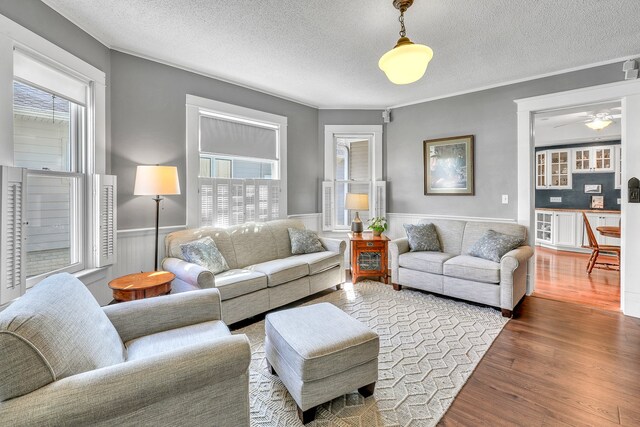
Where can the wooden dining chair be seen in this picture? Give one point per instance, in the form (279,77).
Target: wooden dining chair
(597,248)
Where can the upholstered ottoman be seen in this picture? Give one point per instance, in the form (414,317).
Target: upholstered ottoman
(321,353)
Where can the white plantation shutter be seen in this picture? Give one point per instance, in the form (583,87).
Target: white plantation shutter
(328,208)
(12,248)
(225,202)
(105,187)
(379,207)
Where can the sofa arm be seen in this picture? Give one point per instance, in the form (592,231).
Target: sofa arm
(124,390)
(513,276)
(189,273)
(334,245)
(397,247)
(138,318)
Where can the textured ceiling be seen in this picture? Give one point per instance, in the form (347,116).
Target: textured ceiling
(325,52)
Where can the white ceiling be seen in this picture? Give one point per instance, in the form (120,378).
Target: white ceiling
(325,52)
(567,126)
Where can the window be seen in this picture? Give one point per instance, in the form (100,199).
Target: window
(60,213)
(240,175)
(353,164)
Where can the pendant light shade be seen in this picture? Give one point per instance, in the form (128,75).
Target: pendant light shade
(600,121)
(406,62)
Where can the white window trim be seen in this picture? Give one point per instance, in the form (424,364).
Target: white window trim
(198,106)
(14,36)
(373,133)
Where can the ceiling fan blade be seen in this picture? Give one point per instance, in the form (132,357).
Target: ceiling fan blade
(570,123)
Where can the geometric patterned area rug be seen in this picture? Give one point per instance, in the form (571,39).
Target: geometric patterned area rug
(429,346)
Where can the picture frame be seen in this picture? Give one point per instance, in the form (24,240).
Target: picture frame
(593,188)
(449,167)
(597,202)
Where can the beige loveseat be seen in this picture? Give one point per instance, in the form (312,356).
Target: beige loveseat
(263,273)
(453,273)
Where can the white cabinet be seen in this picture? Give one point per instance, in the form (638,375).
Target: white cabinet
(565,230)
(618,166)
(593,159)
(553,169)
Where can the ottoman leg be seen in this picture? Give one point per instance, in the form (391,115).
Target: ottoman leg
(270,368)
(367,390)
(307,416)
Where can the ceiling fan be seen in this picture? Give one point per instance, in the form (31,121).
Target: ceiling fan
(597,120)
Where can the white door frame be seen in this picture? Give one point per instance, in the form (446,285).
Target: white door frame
(628,93)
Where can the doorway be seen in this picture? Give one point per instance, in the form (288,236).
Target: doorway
(577,191)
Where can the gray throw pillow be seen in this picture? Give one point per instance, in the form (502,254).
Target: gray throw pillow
(422,237)
(493,245)
(304,242)
(205,253)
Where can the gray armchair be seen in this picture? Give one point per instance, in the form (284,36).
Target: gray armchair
(162,361)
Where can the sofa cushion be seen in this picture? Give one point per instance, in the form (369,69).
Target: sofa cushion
(279,229)
(493,245)
(161,342)
(304,242)
(233,283)
(204,253)
(473,231)
(320,340)
(280,271)
(253,243)
(429,262)
(472,268)
(450,233)
(55,330)
(219,235)
(320,261)
(422,237)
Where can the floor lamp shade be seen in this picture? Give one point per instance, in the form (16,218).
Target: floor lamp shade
(156,181)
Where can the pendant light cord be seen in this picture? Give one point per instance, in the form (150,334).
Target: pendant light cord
(403,32)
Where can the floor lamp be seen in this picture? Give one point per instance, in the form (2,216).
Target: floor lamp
(156,181)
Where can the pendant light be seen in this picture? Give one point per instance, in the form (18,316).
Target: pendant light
(407,61)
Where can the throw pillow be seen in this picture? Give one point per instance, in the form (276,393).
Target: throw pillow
(304,242)
(422,237)
(205,253)
(493,245)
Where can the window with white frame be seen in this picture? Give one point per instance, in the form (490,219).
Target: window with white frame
(240,175)
(353,164)
(57,212)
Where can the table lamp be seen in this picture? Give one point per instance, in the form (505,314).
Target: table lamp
(156,181)
(357,202)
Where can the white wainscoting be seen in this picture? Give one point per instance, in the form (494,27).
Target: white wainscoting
(135,249)
(311,221)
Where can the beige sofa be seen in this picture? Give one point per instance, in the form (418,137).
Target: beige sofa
(263,273)
(455,274)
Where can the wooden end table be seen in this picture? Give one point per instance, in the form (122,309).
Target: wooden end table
(369,256)
(141,285)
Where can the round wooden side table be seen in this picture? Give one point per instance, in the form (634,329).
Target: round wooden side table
(141,285)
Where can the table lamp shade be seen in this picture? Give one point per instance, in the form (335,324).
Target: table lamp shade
(156,181)
(357,202)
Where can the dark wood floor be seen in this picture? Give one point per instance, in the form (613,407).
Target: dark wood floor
(562,276)
(556,364)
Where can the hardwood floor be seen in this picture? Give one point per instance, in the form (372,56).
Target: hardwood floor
(556,364)
(562,276)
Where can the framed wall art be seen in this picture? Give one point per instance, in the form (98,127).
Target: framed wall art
(449,166)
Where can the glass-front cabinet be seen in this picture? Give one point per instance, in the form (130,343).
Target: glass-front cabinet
(541,169)
(544,226)
(594,159)
(560,169)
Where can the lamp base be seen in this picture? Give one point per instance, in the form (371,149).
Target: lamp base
(356,225)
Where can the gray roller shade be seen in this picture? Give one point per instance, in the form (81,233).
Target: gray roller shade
(238,139)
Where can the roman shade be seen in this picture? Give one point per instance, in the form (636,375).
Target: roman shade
(231,138)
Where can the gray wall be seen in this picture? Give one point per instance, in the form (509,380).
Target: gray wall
(490,115)
(148,127)
(49,24)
